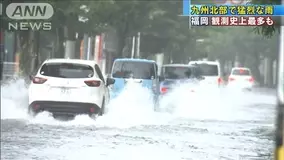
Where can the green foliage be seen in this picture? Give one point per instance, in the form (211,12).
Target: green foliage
(169,33)
(240,40)
(229,43)
(161,27)
(269,31)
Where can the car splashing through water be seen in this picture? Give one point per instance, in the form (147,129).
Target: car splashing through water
(192,120)
(197,118)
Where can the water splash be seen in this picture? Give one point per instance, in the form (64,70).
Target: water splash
(134,106)
(14,100)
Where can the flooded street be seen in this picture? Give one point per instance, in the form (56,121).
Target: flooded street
(157,80)
(206,126)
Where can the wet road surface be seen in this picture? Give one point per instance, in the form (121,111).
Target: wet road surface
(235,127)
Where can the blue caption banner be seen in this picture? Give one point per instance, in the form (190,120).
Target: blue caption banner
(231,10)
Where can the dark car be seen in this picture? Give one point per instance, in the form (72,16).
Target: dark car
(173,74)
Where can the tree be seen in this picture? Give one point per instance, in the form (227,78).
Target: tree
(127,18)
(268,31)
(170,34)
(65,24)
(241,43)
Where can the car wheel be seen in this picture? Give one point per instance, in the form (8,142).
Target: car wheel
(156,104)
(93,116)
(31,112)
(247,89)
(156,107)
(102,111)
(63,117)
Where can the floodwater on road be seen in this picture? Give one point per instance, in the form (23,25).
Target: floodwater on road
(205,125)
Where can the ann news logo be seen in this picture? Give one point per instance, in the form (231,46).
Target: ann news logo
(29,16)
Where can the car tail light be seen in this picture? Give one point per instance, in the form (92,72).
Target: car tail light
(38,80)
(231,79)
(92,110)
(36,107)
(251,79)
(93,83)
(220,80)
(164,90)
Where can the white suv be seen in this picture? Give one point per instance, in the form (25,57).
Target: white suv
(69,87)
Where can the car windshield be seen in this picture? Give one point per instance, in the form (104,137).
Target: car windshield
(208,69)
(67,70)
(241,72)
(137,70)
(171,72)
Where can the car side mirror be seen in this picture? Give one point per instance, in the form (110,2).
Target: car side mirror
(161,78)
(110,81)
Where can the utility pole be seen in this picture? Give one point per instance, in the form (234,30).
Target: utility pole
(85,46)
(279,134)
(70,43)
(281,62)
(138,46)
(37,49)
(133,47)
(89,49)
(2,53)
